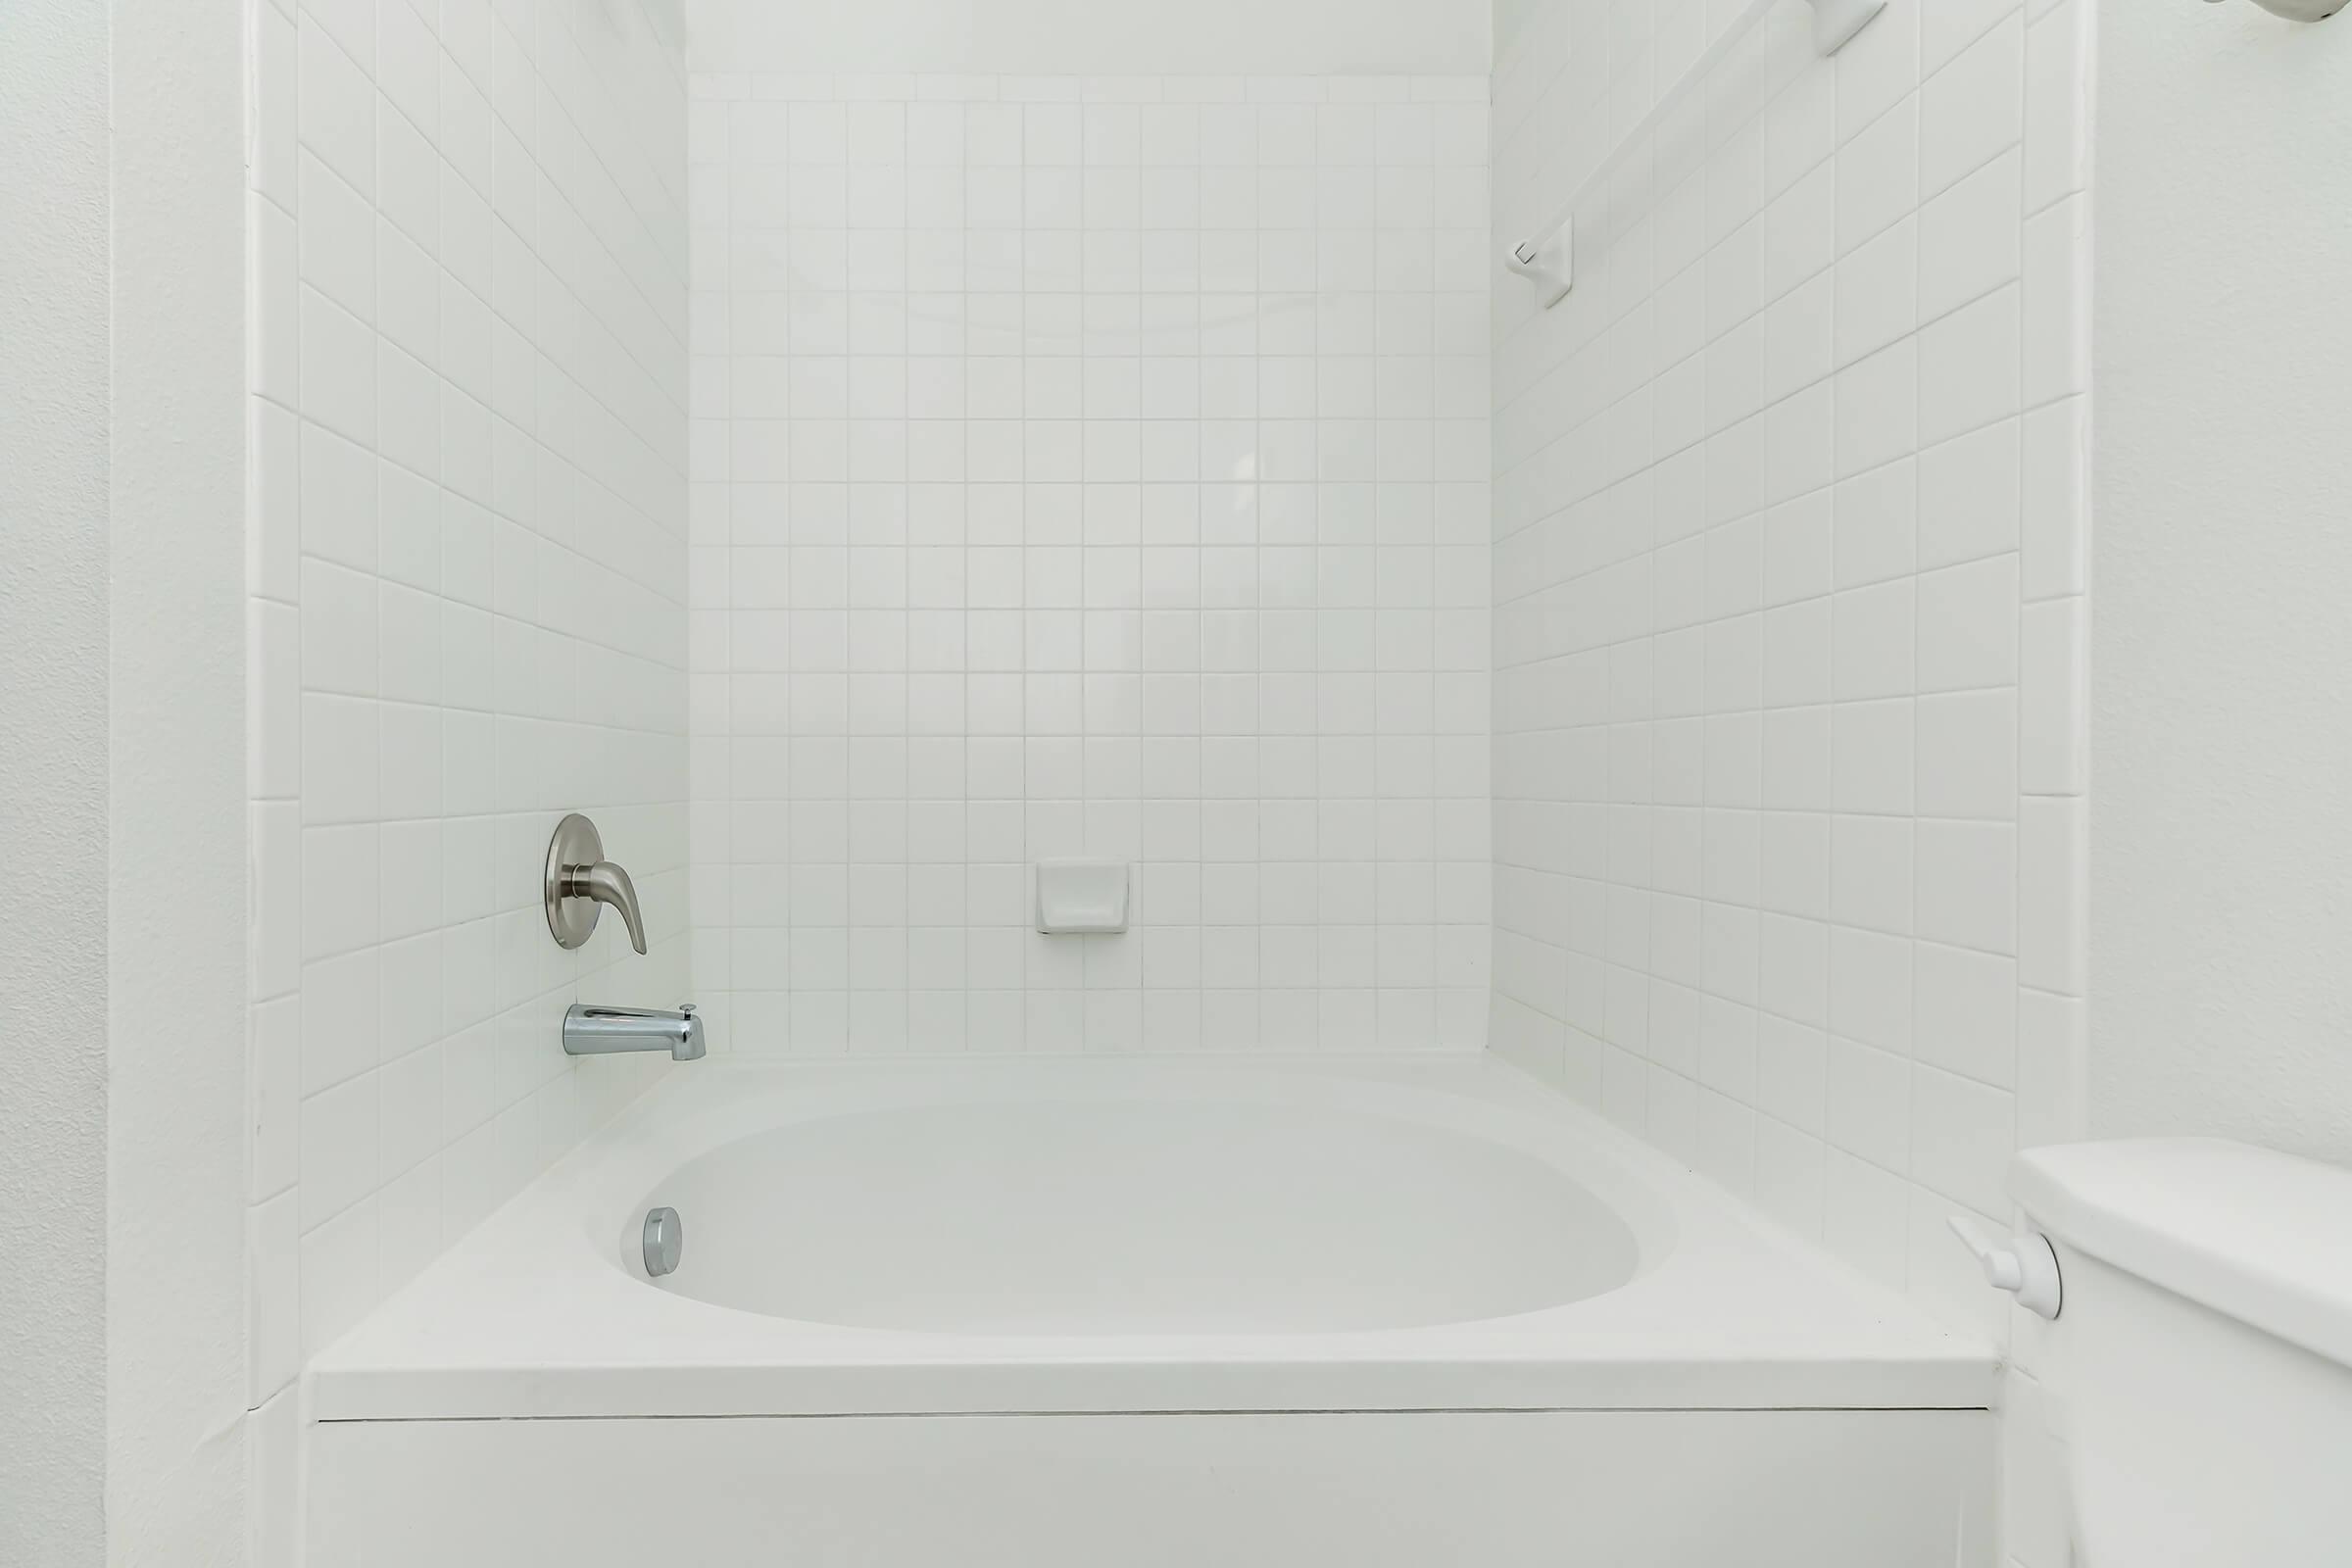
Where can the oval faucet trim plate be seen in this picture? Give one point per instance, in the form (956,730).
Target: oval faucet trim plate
(579,879)
(665,1241)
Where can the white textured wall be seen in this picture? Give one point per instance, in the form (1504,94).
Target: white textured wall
(1091,468)
(467,571)
(53,512)
(175,837)
(2221,843)
(1101,38)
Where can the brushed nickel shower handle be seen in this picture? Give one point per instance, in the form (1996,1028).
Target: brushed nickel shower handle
(607,884)
(580,880)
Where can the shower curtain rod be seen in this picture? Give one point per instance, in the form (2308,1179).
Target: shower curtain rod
(1549,258)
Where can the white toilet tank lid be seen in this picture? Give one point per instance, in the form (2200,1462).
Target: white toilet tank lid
(2258,1236)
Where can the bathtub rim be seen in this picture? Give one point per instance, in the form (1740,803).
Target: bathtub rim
(521,1318)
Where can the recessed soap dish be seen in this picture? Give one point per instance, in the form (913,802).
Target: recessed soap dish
(1078,897)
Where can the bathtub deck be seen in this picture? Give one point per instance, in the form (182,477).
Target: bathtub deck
(534,1314)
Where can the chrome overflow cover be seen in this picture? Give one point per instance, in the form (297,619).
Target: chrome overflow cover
(664,1240)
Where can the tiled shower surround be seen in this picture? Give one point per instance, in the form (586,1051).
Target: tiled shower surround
(468,531)
(1788,570)
(909,479)
(1090,467)
(1789,577)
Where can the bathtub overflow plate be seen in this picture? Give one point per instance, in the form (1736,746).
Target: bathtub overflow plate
(664,1240)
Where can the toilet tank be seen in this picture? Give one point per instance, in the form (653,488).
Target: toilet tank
(2203,1356)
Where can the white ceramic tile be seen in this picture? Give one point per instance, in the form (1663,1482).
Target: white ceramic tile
(337,116)
(1875,525)
(336,863)
(1966,1012)
(1969,238)
(338,1275)
(1795,760)
(1878,404)
(2057,302)
(276,343)
(338,368)
(339,647)
(1877,68)
(1948,28)
(2053,696)
(1872,633)
(1968,502)
(1878,292)
(1871,868)
(469,499)
(339,1141)
(1968,754)
(336,227)
(1909,498)
(1968,366)
(1968,618)
(1870,757)
(1035,649)
(1973,109)
(2054,499)
(274,1350)
(2057,107)
(2052,928)
(1878,176)
(2051,1032)
(1963,1132)
(275,104)
(1869,1104)
(1871,987)
(1967,888)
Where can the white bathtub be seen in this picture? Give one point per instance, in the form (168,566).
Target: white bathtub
(1371,1312)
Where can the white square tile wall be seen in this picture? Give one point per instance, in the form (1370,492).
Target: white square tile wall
(1789,576)
(468,481)
(1090,467)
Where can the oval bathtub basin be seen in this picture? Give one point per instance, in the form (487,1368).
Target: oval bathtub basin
(1132,1216)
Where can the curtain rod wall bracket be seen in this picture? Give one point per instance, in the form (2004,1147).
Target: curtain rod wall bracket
(1549,259)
